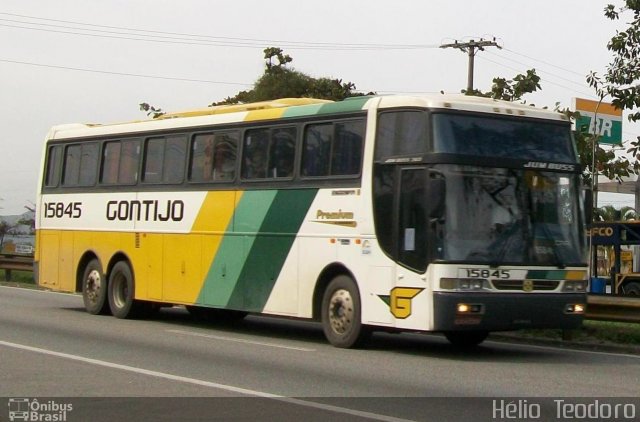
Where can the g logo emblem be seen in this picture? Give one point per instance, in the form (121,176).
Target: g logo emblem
(527,285)
(399,301)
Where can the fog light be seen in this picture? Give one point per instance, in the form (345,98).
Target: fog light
(575,308)
(469,308)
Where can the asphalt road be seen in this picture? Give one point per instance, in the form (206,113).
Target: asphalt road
(174,368)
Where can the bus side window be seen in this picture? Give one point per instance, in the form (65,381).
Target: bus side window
(346,156)
(52,174)
(282,152)
(254,154)
(164,159)
(174,158)
(129,158)
(80,165)
(224,156)
(201,157)
(316,148)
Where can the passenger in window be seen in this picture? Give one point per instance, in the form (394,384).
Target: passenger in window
(256,165)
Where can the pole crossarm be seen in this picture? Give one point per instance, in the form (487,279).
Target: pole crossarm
(471,47)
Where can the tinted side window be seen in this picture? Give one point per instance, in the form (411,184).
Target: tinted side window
(269,153)
(333,149)
(52,174)
(346,157)
(164,160)
(213,157)
(80,165)
(401,133)
(120,162)
(254,154)
(316,150)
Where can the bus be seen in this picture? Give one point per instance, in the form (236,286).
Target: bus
(442,213)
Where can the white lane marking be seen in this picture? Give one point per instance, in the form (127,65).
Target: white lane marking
(567,349)
(238,340)
(41,290)
(204,383)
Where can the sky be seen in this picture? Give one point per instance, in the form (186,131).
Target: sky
(84,61)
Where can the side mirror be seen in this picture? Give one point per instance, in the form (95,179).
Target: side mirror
(435,195)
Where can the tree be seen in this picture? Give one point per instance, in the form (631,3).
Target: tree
(510,89)
(621,80)
(280,81)
(610,213)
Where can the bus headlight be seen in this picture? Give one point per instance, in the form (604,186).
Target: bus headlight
(463,283)
(575,286)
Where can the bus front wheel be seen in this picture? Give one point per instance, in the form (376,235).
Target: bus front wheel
(94,289)
(121,292)
(466,339)
(341,312)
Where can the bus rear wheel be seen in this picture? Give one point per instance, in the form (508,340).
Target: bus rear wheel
(121,292)
(632,289)
(94,289)
(466,339)
(341,314)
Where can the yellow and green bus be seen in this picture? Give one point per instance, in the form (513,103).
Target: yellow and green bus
(452,214)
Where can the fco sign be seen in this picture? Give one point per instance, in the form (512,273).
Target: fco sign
(599,119)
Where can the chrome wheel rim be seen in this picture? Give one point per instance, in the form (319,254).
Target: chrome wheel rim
(93,286)
(341,311)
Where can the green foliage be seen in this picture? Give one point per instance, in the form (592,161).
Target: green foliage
(151,110)
(510,89)
(621,81)
(610,213)
(280,81)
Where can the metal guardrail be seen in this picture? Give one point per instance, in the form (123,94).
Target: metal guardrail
(613,308)
(9,263)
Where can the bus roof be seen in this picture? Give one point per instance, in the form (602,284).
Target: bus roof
(297,107)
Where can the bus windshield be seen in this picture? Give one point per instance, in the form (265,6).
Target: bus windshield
(497,136)
(508,216)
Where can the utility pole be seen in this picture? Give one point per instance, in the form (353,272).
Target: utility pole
(471,47)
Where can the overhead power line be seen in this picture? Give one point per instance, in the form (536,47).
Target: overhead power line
(136,75)
(136,34)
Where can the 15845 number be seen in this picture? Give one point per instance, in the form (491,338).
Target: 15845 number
(487,273)
(62,210)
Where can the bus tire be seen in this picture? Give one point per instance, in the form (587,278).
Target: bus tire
(466,339)
(121,292)
(341,314)
(632,289)
(94,289)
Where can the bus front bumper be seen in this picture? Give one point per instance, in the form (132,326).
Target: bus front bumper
(454,311)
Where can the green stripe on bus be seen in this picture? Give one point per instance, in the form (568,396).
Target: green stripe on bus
(246,266)
(348,105)
(270,249)
(546,275)
(307,110)
(224,273)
